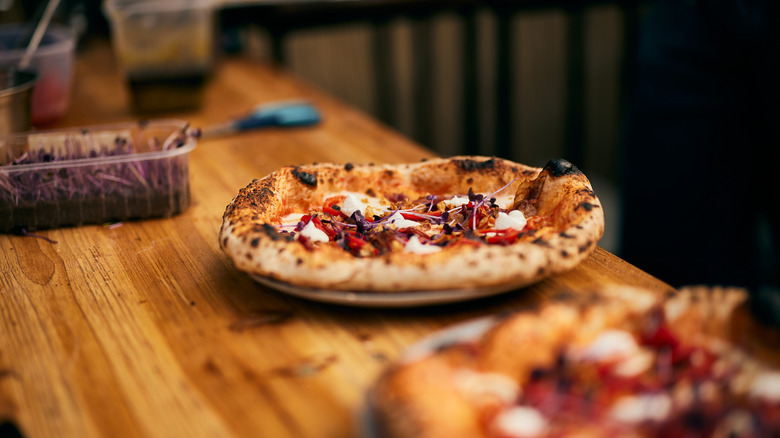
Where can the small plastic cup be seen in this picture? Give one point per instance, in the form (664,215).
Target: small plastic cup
(166,50)
(52,61)
(16,88)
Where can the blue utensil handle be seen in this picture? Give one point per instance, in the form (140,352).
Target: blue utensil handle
(252,122)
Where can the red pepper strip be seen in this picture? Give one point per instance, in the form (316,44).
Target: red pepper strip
(327,230)
(333,212)
(509,237)
(355,243)
(475,217)
(662,337)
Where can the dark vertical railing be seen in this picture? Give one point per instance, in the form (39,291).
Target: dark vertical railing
(469,66)
(385,84)
(504,89)
(423,92)
(575,85)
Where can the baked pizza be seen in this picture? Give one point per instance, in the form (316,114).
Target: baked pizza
(433,225)
(619,363)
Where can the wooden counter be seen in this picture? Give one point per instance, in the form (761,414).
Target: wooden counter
(147,329)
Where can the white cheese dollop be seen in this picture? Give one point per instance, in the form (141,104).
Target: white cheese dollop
(314,234)
(514,219)
(635,364)
(609,345)
(520,421)
(635,409)
(476,384)
(360,202)
(399,221)
(457,201)
(352,204)
(413,245)
(505,201)
(766,386)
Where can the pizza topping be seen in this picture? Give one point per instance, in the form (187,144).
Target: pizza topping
(313,234)
(609,345)
(520,422)
(413,245)
(635,364)
(477,385)
(457,201)
(399,221)
(422,226)
(353,203)
(641,408)
(766,386)
(514,220)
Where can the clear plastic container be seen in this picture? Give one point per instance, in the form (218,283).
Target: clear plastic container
(53,61)
(95,174)
(166,49)
(16,88)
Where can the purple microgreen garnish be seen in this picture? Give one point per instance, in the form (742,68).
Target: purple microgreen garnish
(23,232)
(431,201)
(361,222)
(475,197)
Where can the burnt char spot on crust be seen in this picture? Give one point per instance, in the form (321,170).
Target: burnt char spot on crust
(587,206)
(564,296)
(255,242)
(256,195)
(541,242)
(560,167)
(271,232)
(470,165)
(586,191)
(586,246)
(305,177)
(349,166)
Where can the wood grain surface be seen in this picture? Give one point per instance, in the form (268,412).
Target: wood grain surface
(147,329)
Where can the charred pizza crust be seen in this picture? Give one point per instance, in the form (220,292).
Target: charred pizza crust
(559,190)
(436,393)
